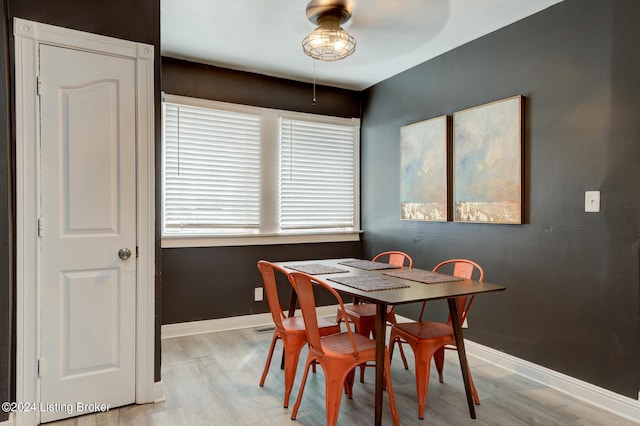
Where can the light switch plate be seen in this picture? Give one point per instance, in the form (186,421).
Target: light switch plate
(257,294)
(592,201)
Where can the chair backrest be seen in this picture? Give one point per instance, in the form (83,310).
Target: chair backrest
(303,284)
(462,268)
(267,269)
(396,258)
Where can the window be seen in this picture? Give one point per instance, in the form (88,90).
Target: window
(212,169)
(316,175)
(245,175)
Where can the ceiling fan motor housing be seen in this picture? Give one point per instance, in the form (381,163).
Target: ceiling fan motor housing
(317,10)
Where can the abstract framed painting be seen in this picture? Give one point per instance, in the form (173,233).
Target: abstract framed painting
(424,170)
(487,163)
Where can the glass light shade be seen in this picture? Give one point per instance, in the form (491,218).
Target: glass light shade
(329,42)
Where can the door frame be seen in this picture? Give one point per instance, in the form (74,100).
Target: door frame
(28,36)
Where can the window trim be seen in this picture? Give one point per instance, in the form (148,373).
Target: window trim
(272,144)
(257,240)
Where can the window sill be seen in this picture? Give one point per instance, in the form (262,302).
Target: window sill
(253,240)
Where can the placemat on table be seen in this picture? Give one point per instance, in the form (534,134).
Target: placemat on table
(316,268)
(422,276)
(368,265)
(369,283)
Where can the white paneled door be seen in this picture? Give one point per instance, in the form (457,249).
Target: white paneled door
(87,231)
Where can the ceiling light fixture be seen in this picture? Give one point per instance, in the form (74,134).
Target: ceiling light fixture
(328,42)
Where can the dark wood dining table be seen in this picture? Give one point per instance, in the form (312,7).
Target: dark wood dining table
(409,291)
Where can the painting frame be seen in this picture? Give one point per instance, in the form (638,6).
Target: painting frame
(425,170)
(488,172)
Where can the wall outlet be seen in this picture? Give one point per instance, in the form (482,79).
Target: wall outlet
(258,295)
(592,201)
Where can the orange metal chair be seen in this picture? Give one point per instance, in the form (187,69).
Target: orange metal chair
(430,339)
(290,330)
(363,315)
(337,354)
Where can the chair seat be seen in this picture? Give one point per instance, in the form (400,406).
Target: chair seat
(424,330)
(363,315)
(340,344)
(362,310)
(296,325)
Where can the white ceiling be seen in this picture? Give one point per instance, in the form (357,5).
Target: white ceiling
(264,36)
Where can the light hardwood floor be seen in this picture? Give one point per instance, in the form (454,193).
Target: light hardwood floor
(212,379)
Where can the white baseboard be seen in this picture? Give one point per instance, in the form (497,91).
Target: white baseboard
(158,392)
(599,397)
(11,421)
(233,323)
(615,403)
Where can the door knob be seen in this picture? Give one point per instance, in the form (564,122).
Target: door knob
(124,253)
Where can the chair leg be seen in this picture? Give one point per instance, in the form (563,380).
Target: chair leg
(294,412)
(402,355)
(367,329)
(292,353)
(389,387)
(268,363)
(391,320)
(392,343)
(423,369)
(438,359)
(348,383)
(474,391)
(333,396)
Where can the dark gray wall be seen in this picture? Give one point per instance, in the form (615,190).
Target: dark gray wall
(186,78)
(137,20)
(572,299)
(216,282)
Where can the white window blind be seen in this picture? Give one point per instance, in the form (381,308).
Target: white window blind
(317,175)
(211,169)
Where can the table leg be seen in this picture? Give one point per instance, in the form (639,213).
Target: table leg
(462,355)
(381,330)
(293,301)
